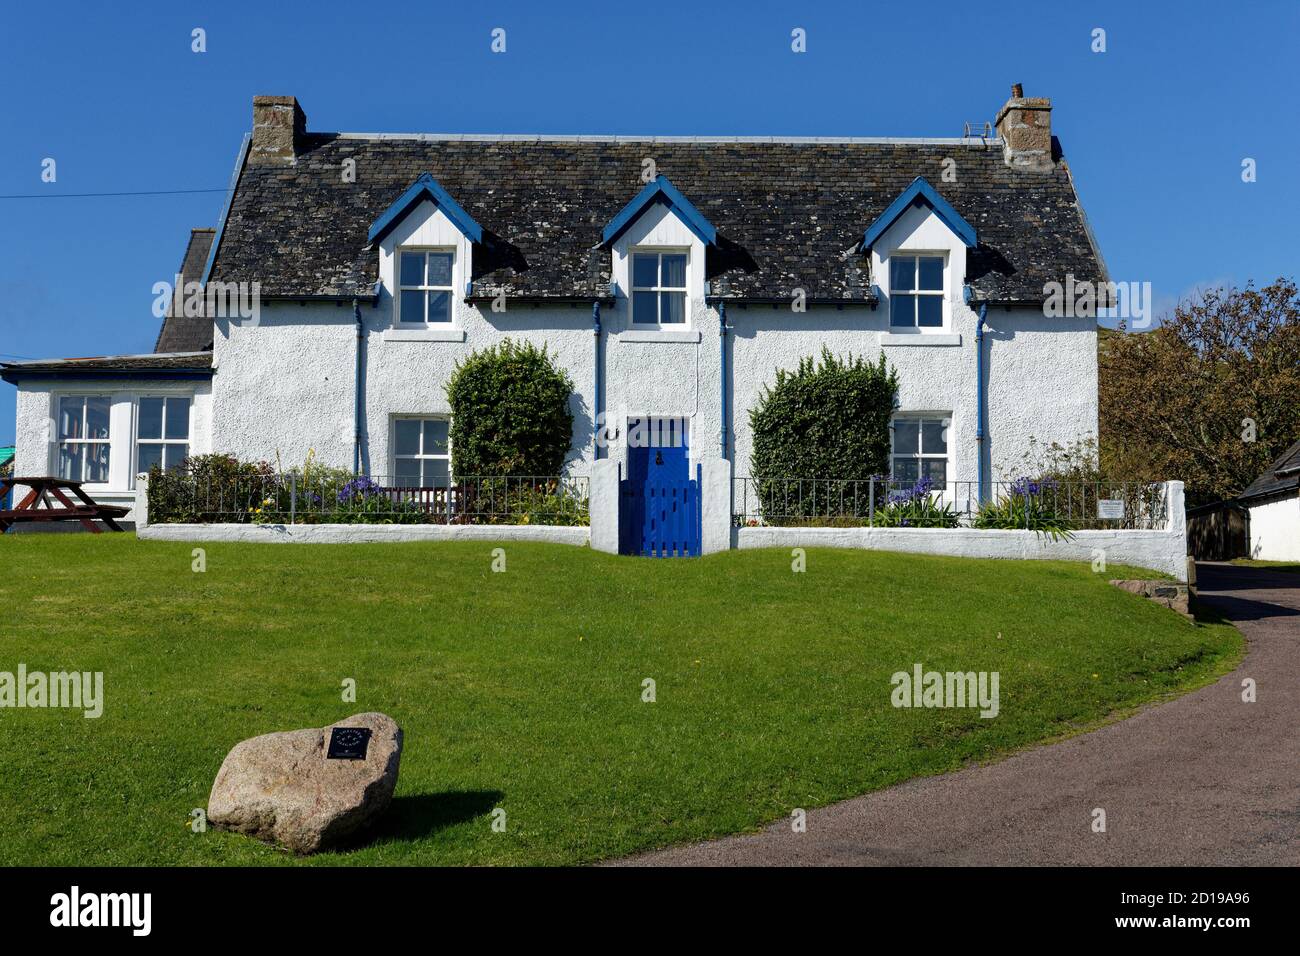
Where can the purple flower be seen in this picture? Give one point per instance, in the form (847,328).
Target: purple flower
(1024,487)
(918,492)
(361,487)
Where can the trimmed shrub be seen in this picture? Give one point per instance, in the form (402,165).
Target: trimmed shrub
(827,419)
(509,413)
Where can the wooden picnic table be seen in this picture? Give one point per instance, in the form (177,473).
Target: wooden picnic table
(36,506)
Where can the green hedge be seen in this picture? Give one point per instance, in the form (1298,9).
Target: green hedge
(510,412)
(826,419)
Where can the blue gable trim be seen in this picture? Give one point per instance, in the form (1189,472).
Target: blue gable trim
(919,193)
(426,187)
(661,191)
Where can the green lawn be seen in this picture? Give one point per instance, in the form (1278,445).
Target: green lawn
(523,689)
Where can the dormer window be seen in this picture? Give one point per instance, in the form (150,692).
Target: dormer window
(425,286)
(659,288)
(916,291)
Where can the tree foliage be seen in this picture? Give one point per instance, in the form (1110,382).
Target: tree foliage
(509,412)
(1209,396)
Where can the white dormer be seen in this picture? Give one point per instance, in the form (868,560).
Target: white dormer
(424,265)
(921,265)
(426,246)
(918,256)
(658,243)
(658,266)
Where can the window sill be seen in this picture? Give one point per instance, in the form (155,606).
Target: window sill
(919,338)
(106,490)
(659,335)
(424,335)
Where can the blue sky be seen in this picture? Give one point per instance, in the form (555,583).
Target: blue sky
(1155,128)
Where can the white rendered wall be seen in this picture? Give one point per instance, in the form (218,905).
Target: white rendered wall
(288,385)
(1275,530)
(285,386)
(1041,375)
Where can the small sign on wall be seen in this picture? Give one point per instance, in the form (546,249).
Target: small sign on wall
(1110,509)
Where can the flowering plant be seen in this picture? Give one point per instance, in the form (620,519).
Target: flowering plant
(362,486)
(1029,505)
(916,507)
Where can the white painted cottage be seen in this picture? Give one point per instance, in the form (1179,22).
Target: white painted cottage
(671,277)
(1272,503)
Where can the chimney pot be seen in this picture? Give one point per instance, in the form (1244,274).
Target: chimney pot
(1025,127)
(279,126)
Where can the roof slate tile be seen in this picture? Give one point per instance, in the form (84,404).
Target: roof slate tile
(797,209)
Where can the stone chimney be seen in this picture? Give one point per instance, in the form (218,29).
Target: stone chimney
(1025,126)
(278,127)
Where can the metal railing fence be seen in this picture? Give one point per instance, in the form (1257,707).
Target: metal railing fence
(378,499)
(888,502)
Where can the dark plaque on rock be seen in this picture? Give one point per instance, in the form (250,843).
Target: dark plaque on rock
(348,743)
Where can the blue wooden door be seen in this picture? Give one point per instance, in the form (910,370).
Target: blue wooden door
(659,514)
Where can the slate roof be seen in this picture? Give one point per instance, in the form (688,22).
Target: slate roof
(180,333)
(1281,476)
(198,361)
(792,212)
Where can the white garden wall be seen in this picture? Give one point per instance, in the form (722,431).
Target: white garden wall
(359,533)
(1157,550)
(1164,551)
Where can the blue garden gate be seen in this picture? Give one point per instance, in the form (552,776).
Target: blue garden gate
(659,506)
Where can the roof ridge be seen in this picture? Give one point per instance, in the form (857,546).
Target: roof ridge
(650,138)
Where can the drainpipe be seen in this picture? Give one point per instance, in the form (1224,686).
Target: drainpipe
(597,399)
(358,387)
(979,401)
(722,376)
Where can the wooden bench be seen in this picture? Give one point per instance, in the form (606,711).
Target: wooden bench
(37,506)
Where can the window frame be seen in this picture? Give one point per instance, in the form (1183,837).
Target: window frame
(164,441)
(916,255)
(659,288)
(450,289)
(421,456)
(944,419)
(60,442)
